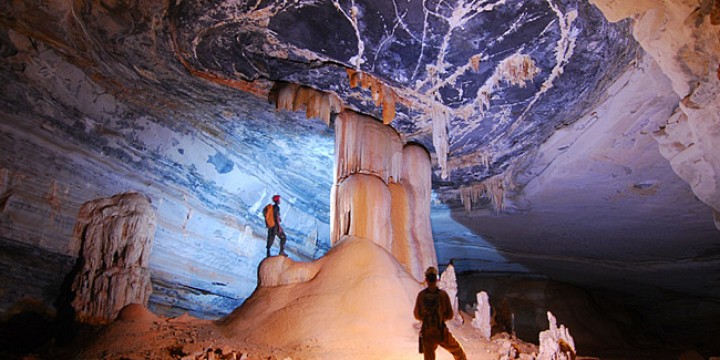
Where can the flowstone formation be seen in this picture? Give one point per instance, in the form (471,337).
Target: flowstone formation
(382,191)
(116,236)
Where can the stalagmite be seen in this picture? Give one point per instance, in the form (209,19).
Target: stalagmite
(556,342)
(116,235)
(482,320)
(448,282)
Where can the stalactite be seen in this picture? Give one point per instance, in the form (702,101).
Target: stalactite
(517,69)
(417,182)
(317,104)
(286,97)
(353,76)
(380,93)
(324,108)
(484,158)
(475,62)
(492,189)
(376,92)
(388,112)
(366,81)
(301,98)
(312,109)
(440,120)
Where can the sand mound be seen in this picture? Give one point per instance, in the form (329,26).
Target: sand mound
(360,299)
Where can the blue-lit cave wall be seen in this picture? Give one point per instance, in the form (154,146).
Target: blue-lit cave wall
(208,157)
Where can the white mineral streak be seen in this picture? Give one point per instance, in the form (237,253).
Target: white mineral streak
(682,38)
(116,235)
(462,12)
(448,282)
(440,115)
(482,320)
(564,50)
(365,146)
(352,16)
(556,343)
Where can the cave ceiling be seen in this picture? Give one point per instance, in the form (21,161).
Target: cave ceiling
(438,58)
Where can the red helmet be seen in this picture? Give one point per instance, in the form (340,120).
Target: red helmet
(276,198)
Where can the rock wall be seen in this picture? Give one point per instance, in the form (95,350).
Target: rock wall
(116,235)
(70,134)
(682,36)
(382,191)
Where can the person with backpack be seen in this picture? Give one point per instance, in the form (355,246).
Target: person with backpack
(272,222)
(433,308)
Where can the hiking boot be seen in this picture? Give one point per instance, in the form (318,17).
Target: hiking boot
(268,252)
(282,253)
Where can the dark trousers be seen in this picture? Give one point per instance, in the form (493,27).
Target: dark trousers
(276,231)
(432,338)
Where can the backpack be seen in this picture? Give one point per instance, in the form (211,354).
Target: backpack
(269,212)
(431,303)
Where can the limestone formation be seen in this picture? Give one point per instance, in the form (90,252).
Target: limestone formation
(364,145)
(682,37)
(382,191)
(280,270)
(482,320)
(448,282)
(556,342)
(415,179)
(116,236)
(363,209)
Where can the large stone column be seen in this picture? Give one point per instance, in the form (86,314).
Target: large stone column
(116,237)
(417,182)
(382,191)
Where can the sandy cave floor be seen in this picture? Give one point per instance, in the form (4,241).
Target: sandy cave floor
(139,334)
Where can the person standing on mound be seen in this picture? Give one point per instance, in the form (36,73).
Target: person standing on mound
(272,222)
(433,308)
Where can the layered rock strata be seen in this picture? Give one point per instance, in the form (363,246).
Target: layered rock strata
(682,36)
